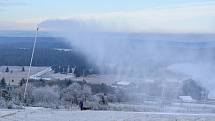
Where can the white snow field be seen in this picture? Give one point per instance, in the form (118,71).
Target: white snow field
(42,114)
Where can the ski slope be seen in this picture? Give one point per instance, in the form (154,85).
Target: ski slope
(42,114)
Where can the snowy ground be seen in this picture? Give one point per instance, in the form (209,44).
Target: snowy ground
(41,114)
(16,73)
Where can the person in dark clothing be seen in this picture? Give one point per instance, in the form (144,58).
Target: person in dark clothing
(103,100)
(81,105)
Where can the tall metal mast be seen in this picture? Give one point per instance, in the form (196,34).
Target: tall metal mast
(32,56)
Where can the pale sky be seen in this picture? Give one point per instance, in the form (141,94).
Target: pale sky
(197,16)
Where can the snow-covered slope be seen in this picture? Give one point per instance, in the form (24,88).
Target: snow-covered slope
(41,114)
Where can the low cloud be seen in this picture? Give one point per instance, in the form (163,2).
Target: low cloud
(197,18)
(73,25)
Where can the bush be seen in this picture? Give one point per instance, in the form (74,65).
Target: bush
(76,92)
(46,97)
(18,95)
(3,103)
(193,89)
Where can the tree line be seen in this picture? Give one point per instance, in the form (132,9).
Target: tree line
(16,51)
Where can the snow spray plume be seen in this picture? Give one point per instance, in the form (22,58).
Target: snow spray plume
(138,57)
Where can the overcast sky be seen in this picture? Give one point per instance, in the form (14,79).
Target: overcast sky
(180,16)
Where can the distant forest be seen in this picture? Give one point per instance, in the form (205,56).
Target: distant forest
(16,51)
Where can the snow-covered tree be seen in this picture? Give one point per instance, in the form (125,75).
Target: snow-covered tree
(18,94)
(46,96)
(75,92)
(72,93)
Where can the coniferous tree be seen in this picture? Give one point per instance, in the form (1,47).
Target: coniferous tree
(23,69)
(22,82)
(3,83)
(7,70)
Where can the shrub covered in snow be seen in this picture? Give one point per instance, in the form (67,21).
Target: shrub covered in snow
(61,94)
(46,97)
(18,95)
(76,92)
(2,103)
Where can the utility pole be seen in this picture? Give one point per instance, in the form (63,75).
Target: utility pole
(32,56)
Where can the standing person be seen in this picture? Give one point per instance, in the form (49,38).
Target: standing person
(81,103)
(105,99)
